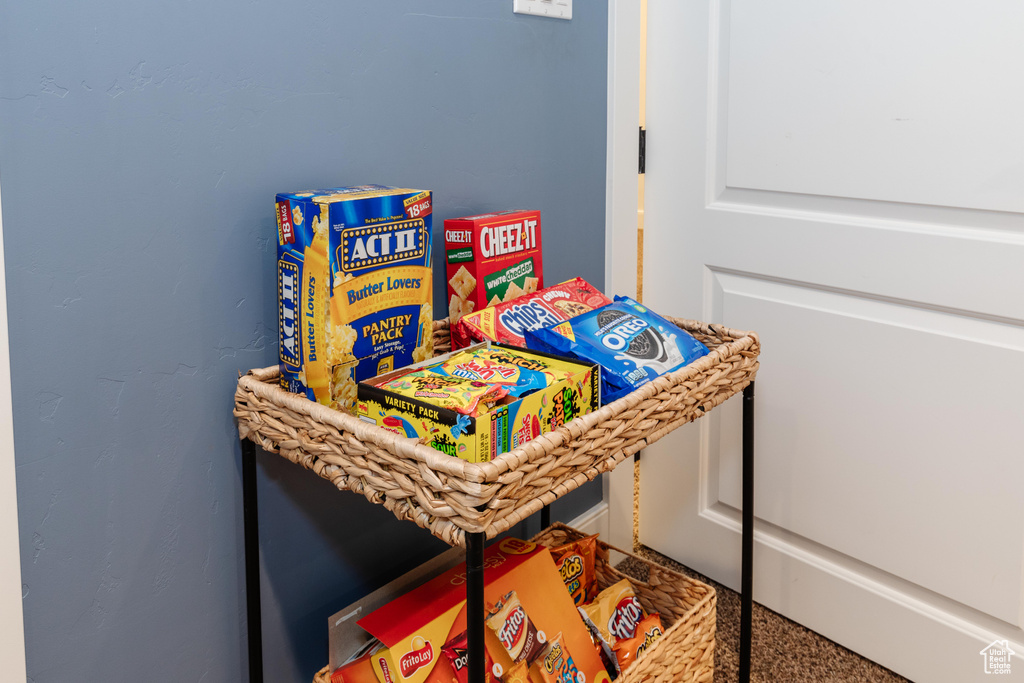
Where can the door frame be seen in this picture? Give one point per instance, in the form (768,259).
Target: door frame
(621,195)
(12,623)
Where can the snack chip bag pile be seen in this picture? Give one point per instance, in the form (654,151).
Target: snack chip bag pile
(632,344)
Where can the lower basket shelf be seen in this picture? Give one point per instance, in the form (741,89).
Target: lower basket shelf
(686,653)
(451,497)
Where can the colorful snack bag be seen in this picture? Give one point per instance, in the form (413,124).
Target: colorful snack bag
(514,629)
(461,395)
(632,343)
(554,370)
(576,565)
(555,664)
(457,652)
(615,613)
(483,366)
(629,650)
(508,322)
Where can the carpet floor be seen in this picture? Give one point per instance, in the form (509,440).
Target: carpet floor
(782,651)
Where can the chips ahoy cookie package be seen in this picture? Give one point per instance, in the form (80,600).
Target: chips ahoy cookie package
(354,287)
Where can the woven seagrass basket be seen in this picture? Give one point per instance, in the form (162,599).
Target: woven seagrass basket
(686,653)
(450,497)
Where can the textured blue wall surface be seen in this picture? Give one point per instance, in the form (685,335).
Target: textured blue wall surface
(141,145)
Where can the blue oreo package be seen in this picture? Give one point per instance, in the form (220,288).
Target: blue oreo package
(632,344)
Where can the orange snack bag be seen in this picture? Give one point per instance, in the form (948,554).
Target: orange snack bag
(576,565)
(555,664)
(648,631)
(615,613)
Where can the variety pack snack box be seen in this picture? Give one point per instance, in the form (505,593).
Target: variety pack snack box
(354,287)
(492,258)
(532,628)
(406,407)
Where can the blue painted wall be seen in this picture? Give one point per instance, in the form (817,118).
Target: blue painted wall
(141,145)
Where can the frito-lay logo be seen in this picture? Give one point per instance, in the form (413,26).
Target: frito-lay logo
(285,229)
(288,306)
(528,316)
(625,617)
(376,245)
(385,670)
(422,653)
(512,631)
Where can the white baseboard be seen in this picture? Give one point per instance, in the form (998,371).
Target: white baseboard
(593,521)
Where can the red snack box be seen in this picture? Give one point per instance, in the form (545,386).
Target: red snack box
(491,258)
(508,322)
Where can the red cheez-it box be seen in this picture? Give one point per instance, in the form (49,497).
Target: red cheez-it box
(508,322)
(492,258)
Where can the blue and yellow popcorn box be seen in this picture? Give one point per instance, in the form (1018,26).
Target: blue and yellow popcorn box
(354,287)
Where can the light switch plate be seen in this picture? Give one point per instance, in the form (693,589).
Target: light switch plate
(556,9)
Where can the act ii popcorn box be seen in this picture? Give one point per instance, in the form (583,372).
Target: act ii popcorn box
(491,258)
(354,287)
(416,627)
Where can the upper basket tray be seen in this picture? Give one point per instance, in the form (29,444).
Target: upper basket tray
(449,496)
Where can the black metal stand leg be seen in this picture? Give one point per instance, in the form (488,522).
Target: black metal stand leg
(475,606)
(747,570)
(250,520)
(545,517)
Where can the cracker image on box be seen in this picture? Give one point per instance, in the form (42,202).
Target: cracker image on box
(354,287)
(491,258)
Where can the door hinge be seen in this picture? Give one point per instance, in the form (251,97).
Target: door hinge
(643,149)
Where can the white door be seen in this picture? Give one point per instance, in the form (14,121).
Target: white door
(847,179)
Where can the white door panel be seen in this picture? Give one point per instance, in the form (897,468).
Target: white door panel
(860,99)
(882,263)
